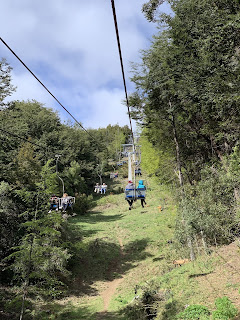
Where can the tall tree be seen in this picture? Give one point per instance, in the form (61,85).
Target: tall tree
(6,88)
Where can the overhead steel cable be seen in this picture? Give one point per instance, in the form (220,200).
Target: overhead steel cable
(46,88)
(121,62)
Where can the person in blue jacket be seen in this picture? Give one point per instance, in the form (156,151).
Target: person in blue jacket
(142,186)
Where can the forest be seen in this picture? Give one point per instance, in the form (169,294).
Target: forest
(187,99)
(186,105)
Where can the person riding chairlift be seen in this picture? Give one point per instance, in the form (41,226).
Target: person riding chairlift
(130,185)
(103,188)
(97,188)
(141,186)
(53,203)
(65,202)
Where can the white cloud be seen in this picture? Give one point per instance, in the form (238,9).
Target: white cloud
(106,108)
(71,45)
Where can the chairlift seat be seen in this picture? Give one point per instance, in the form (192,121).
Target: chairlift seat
(141,193)
(70,201)
(130,193)
(138,171)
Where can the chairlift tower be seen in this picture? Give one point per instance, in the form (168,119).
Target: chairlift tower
(57,156)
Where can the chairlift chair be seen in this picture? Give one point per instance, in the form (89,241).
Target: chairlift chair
(138,171)
(113,175)
(140,193)
(70,202)
(130,194)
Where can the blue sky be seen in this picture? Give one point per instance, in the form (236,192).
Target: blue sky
(71,46)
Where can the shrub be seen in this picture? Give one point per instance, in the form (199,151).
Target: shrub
(145,306)
(194,312)
(83,203)
(14,306)
(225,309)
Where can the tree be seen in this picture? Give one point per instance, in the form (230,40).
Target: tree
(187,97)
(6,88)
(190,74)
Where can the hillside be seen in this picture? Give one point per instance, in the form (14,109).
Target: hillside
(123,254)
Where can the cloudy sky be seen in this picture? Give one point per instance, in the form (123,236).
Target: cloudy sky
(71,46)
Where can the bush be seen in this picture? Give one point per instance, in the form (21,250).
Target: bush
(15,305)
(194,312)
(225,309)
(83,203)
(145,306)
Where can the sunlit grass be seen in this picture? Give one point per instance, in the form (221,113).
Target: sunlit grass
(135,246)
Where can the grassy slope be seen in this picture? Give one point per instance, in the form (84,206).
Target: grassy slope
(132,246)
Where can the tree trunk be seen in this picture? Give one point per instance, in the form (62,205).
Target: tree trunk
(179,166)
(236,194)
(204,242)
(180,177)
(190,245)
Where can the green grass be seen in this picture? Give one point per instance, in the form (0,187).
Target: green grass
(143,233)
(145,256)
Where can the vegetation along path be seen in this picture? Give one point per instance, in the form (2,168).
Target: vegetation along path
(123,254)
(118,249)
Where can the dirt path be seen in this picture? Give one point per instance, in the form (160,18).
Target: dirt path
(111,286)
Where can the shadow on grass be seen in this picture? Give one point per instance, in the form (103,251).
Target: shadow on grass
(103,260)
(109,316)
(199,274)
(93,217)
(171,309)
(158,259)
(66,312)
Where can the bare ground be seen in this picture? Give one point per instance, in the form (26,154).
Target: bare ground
(225,280)
(111,287)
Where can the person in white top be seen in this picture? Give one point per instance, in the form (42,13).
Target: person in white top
(103,188)
(97,188)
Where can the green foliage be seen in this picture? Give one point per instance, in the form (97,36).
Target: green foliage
(146,304)
(27,162)
(210,206)
(156,162)
(35,243)
(225,309)
(14,306)
(6,87)
(187,98)
(8,217)
(40,255)
(50,179)
(83,203)
(191,72)
(149,9)
(74,182)
(194,312)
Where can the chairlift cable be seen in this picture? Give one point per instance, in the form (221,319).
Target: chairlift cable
(121,62)
(46,88)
